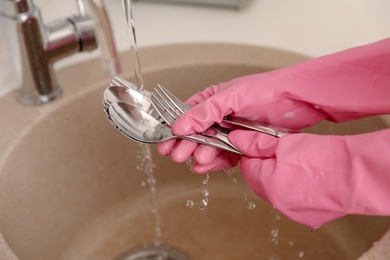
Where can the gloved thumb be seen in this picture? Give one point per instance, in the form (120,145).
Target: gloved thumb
(281,181)
(254,144)
(197,119)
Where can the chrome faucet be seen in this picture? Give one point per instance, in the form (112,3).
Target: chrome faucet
(35,47)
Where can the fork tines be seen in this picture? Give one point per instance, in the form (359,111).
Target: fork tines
(159,106)
(159,96)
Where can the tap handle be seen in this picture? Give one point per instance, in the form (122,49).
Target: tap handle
(103,30)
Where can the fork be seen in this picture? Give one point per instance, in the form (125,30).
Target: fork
(169,113)
(176,105)
(170,118)
(117,81)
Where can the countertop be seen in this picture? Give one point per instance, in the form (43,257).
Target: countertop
(308,27)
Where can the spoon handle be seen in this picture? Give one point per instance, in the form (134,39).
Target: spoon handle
(210,141)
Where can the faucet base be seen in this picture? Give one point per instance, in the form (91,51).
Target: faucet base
(35,46)
(39,100)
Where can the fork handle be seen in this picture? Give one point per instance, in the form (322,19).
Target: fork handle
(257,126)
(212,141)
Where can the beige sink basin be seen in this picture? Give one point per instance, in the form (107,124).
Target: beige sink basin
(70,188)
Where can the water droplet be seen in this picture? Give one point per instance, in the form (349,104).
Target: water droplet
(317,107)
(275,232)
(243,196)
(190,163)
(274,241)
(151,181)
(205,193)
(152,135)
(301,254)
(276,216)
(251,205)
(190,203)
(205,201)
(143,184)
(290,243)
(202,207)
(157,231)
(289,115)
(206,180)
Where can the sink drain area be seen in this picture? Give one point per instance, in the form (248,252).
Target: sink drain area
(154,253)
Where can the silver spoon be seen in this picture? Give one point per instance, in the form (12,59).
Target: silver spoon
(119,93)
(142,127)
(114,94)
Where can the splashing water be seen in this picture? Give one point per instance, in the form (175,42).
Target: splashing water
(244,197)
(146,165)
(278,241)
(289,115)
(204,202)
(144,154)
(274,232)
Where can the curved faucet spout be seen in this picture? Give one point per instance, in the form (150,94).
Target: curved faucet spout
(104,34)
(35,46)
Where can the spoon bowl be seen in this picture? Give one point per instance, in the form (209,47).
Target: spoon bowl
(124,94)
(138,125)
(142,127)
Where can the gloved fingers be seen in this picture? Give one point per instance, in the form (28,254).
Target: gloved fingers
(278,111)
(254,144)
(291,198)
(183,150)
(165,148)
(204,94)
(225,160)
(255,172)
(290,114)
(205,154)
(201,116)
(207,110)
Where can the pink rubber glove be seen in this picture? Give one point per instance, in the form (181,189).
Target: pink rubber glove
(314,179)
(343,86)
(340,87)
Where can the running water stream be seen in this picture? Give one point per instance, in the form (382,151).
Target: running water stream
(144,154)
(133,43)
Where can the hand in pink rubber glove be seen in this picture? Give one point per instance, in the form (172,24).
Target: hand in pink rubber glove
(340,87)
(314,179)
